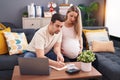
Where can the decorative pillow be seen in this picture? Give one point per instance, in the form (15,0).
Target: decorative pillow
(3,44)
(2,26)
(16,42)
(99,35)
(102,46)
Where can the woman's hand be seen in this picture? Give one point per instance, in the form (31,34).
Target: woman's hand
(60,58)
(58,64)
(81,48)
(62,51)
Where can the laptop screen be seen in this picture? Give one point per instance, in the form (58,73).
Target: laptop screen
(33,66)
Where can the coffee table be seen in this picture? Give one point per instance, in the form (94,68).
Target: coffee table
(57,75)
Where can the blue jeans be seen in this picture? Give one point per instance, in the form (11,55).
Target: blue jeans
(50,54)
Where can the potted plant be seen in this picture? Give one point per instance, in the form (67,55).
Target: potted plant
(86,58)
(25,14)
(89,11)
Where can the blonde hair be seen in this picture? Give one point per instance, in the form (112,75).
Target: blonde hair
(78,24)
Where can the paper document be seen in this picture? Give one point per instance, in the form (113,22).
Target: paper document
(68,66)
(58,68)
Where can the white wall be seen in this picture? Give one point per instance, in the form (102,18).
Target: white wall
(112,20)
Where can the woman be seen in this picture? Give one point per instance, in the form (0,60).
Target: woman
(72,43)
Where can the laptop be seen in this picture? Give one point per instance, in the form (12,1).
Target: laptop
(33,66)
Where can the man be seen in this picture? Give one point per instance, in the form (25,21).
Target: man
(47,42)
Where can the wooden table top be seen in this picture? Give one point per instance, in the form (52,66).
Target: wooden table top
(56,75)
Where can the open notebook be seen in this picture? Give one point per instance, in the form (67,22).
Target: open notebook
(68,66)
(58,68)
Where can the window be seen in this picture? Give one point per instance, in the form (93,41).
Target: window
(112,19)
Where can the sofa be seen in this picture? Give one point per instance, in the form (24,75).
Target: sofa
(7,62)
(106,63)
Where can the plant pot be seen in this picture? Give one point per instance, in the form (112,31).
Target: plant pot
(86,67)
(25,15)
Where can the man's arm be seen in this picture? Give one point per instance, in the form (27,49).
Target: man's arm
(40,54)
(57,50)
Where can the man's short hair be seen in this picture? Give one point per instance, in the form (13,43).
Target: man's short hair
(58,17)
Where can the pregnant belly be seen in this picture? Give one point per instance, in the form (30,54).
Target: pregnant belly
(71,48)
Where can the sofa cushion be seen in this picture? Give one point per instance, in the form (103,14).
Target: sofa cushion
(3,47)
(95,35)
(8,62)
(109,64)
(6,74)
(91,28)
(16,42)
(102,46)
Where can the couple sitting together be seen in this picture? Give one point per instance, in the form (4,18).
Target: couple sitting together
(59,40)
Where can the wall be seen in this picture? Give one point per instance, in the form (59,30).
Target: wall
(11,10)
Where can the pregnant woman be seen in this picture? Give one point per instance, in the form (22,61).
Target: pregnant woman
(72,43)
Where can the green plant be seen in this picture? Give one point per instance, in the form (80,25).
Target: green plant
(25,14)
(89,11)
(86,56)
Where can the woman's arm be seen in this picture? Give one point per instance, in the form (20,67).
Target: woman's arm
(81,43)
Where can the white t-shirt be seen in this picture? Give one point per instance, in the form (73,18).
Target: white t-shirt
(44,40)
(70,44)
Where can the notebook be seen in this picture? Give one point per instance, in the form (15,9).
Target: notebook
(33,66)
